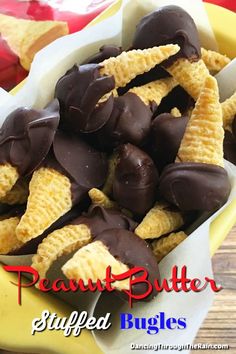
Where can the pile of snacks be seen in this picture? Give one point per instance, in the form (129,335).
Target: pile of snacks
(123,160)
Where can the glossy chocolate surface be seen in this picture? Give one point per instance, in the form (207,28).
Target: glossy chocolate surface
(166,25)
(27,135)
(166,135)
(79,92)
(195,186)
(135,180)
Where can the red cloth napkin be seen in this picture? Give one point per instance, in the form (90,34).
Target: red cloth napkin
(228,4)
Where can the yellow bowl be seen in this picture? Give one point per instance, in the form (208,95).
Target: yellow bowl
(15,320)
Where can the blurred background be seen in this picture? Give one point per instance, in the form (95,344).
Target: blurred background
(29,25)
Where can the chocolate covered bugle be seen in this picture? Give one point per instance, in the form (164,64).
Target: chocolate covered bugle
(49,198)
(204,134)
(160,220)
(198,171)
(128,65)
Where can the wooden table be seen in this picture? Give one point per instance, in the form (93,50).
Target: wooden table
(220,325)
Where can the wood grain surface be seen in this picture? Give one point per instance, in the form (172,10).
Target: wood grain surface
(220,325)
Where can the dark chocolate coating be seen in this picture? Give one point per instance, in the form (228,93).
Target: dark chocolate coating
(135,180)
(195,186)
(130,122)
(105,52)
(166,135)
(79,91)
(230,147)
(134,252)
(234,127)
(13,211)
(26,137)
(166,25)
(85,167)
(4,208)
(99,219)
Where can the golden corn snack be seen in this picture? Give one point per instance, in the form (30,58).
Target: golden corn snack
(27,37)
(190,75)
(155,90)
(229,111)
(214,61)
(18,194)
(49,199)
(59,243)
(204,134)
(175,112)
(8,239)
(159,221)
(98,197)
(8,177)
(166,244)
(126,66)
(91,261)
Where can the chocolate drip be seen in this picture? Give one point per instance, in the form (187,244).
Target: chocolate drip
(79,91)
(26,137)
(195,186)
(135,180)
(105,52)
(134,252)
(169,24)
(99,219)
